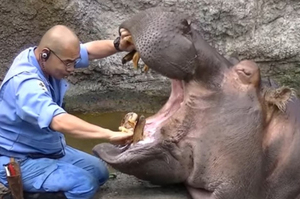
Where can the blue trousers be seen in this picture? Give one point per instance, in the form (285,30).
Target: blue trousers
(77,174)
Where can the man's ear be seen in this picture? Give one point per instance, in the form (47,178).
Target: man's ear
(45,54)
(279,97)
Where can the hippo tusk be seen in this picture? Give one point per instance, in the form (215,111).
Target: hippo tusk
(139,129)
(133,118)
(128,39)
(133,55)
(135,60)
(128,57)
(146,68)
(133,123)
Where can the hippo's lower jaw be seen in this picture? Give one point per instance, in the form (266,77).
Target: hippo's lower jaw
(127,158)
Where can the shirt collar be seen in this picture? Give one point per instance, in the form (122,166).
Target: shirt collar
(32,59)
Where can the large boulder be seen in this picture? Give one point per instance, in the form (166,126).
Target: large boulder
(264,31)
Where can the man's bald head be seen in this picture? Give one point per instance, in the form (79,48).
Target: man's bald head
(60,39)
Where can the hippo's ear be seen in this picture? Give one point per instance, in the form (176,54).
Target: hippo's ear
(279,97)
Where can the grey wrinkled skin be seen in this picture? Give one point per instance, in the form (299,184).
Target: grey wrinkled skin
(163,40)
(166,44)
(228,135)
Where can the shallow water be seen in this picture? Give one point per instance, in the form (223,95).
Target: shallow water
(106,120)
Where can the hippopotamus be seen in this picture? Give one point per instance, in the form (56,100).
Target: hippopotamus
(225,133)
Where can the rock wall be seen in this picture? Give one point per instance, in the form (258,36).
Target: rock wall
(264,31)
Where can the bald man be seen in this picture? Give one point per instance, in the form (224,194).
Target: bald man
(33,122)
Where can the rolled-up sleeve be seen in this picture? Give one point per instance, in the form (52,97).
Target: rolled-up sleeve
(84,61)
(34,103)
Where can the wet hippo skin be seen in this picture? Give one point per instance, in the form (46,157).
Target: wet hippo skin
(224,132)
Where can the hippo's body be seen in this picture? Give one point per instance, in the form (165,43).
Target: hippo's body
(224,133)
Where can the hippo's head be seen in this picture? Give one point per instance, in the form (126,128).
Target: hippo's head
(215,112)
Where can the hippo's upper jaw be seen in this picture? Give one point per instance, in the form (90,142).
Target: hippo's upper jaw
(164,42)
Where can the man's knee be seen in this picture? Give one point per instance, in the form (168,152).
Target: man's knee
(85,188)
(74,181)
(101,171)
(95,166)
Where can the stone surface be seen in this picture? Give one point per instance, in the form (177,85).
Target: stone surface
(129,187)
(265,31)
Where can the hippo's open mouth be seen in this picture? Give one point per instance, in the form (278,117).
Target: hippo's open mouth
(154,122)
(145,130)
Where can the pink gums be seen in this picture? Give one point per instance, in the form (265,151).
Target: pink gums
(153,123)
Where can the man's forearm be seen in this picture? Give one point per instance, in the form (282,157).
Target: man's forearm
(100,49)
(76,127)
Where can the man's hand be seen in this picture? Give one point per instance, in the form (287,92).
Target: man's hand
(120,138)
(125,41)
(78,128)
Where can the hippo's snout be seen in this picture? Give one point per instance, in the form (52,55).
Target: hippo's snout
(163,41)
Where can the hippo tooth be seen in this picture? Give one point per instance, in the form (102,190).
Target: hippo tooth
(128,57)
(139,129)
(128,39)
(135,59)
(146,68)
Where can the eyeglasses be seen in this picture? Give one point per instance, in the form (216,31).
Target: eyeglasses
(68,64)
